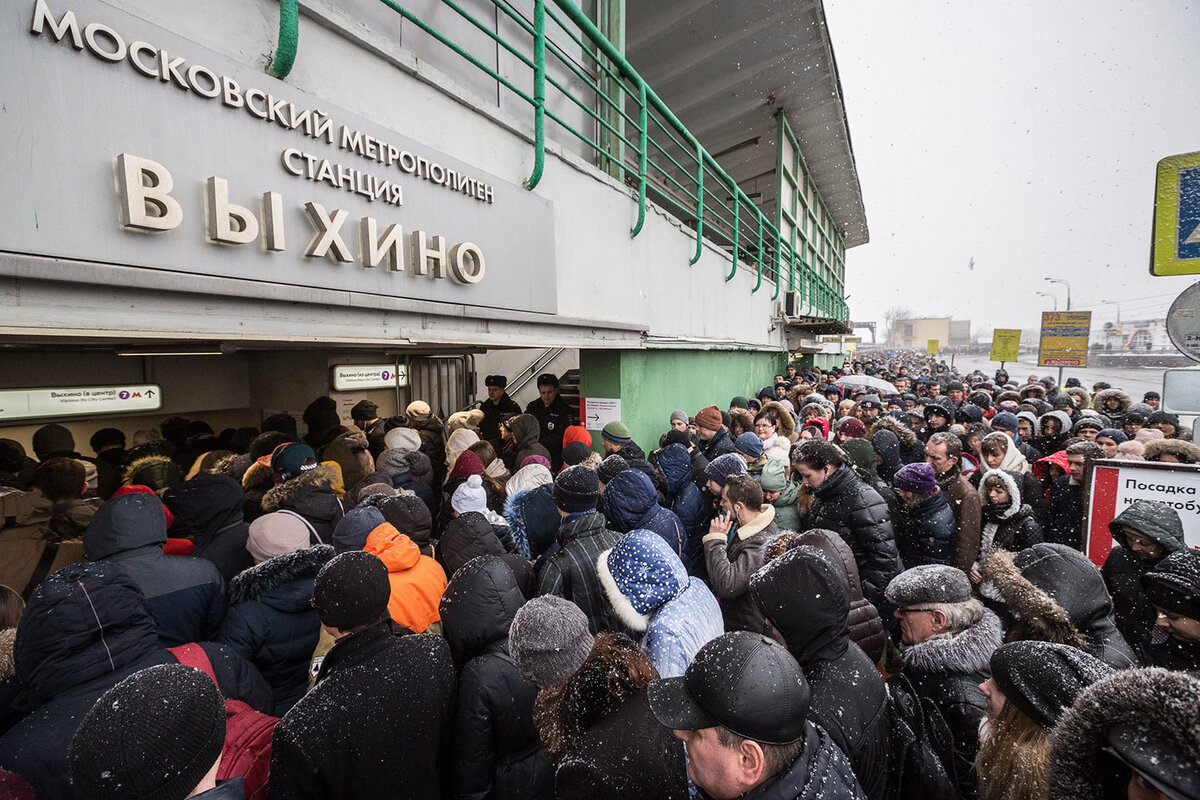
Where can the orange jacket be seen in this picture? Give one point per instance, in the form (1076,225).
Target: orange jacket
(417,581)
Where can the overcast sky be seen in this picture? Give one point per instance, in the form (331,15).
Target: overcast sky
(1023,135)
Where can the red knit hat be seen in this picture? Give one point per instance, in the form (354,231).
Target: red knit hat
(576,433)
(709,418)
(465,465)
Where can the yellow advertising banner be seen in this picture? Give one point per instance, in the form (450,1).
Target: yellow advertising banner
(1064,341)
(1006,344)
(931,347)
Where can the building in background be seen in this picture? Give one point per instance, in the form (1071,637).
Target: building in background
(656,200)
(916,333)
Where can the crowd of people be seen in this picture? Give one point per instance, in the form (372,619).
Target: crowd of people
(866,582)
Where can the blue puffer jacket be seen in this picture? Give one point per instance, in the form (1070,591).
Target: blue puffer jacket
(651,592)
(927,532)
(187,595)
(630,501)
(271,622)
(686,502)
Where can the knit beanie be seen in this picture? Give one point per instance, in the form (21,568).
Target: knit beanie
(1112,433)
(617,433)
(364,410)
(1161,416)
(52,438)
(929,583)
(464,420)
(852,427)
(709,418)
(722,468)
(675,436)
(1043,679)
(418,410)
(1174,583)
(611,467)
(1005,421)
(275,534)
(465,465)
(577,489)
(773,478)
(469,496)
(739,402)
(577,433)
(918,478)
(748,444)
(406,440)
(549,640)
(352,590)
(575,453)
(352,531)
(534,459)
(153,736)
(679,415)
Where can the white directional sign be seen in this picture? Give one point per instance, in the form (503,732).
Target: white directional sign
(349,377)
(79,401)
(599,411)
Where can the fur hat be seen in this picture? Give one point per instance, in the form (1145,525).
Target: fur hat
(1186,452)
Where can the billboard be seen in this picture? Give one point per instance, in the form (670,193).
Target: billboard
(1006,344)
(1064,340)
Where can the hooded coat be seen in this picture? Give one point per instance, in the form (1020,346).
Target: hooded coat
(1160,709)
(630,502)
(863,459)
(1057,595)
(533,520)
(417,580)
(866,627)
(948,669)
(1124,401)
(26,540)
(848,696)
(732,562)
(911,449)
(209,508)
(352,452)
(686,502)
(468,536)
(377,723)
(926,532)
(186,594)
(1123,569)
(497,753)
(410,516)
(571,572)
(271,622)
(86,628)
(1011,527)
(650,590)
(887,448)
(526,434)
(310,496)
(846,505)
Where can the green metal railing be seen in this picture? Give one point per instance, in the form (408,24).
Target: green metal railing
(662,160)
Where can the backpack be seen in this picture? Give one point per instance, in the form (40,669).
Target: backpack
(247,749)
(922,746)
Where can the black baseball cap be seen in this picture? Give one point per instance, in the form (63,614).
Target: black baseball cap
(745,682)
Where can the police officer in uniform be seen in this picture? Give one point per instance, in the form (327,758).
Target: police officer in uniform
(497,408)
(553,414)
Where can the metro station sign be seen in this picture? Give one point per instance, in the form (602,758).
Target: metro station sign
(81,401)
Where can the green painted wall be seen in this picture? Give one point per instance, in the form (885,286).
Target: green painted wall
(653,383)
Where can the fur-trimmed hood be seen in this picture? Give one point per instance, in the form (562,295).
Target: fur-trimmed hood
(260,580)
(967,652)
(1032,390)
(1162,708)
(1083,394)
(905,434)
(640,574)
(787,425)
(8,666)
(1186,452)
(1044,619)
(1100,401)
(279,496)
(157,472)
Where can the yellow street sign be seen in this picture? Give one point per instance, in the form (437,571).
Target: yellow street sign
(931,347)
(1006,344)
(1064,338)
(1176,248)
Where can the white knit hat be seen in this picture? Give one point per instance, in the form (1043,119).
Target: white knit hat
(470,496)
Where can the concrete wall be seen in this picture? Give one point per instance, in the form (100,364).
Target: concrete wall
(653,383)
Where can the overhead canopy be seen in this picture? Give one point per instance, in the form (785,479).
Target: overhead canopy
(726,66)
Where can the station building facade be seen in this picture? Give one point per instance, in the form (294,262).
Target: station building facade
(225,209)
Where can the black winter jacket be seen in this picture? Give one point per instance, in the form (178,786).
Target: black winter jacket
(948,672)
(209,508)
(310,497)
(848,696)
(467,536)
(857,513)
(625,754)
(186,594)
(272,624)
(1063,513)
(820,772)
(86,628)
(497,753)
(1014,532)
(376,724)
(720,444)
(926,532)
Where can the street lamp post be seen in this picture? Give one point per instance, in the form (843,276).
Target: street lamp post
(1064,283)
(1051,295)
(1114,303)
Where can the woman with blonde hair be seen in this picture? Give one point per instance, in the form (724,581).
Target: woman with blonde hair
(1032,684)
